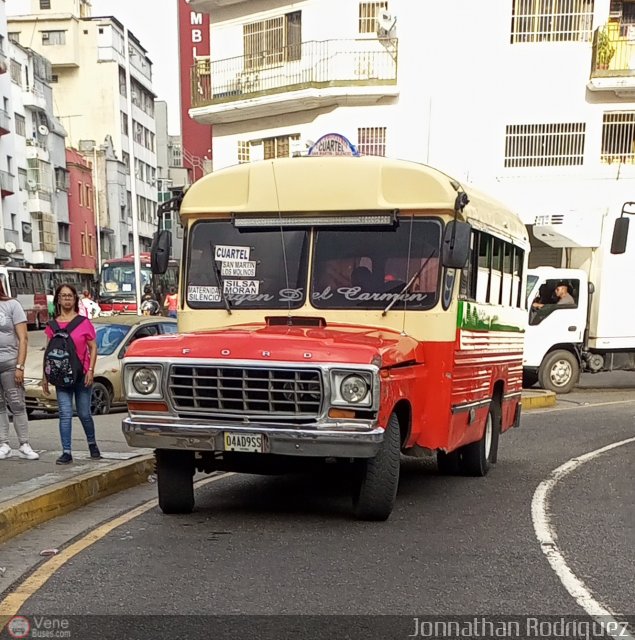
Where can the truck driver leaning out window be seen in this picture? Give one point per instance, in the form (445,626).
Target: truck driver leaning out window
(561,293)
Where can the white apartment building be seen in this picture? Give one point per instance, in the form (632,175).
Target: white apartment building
(532,100)
(103,95)
(42,219)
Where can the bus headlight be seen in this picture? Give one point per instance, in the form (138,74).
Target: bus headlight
(145,381)
(354,389)
(142,382)
(351,388)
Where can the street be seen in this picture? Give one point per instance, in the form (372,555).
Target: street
(288,545)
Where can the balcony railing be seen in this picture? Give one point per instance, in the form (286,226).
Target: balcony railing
(613,51)
(328,63)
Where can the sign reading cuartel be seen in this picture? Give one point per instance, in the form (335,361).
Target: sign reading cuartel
(333,144)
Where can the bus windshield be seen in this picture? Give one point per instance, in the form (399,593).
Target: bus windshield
(256,268)
(119,279)
(369,268)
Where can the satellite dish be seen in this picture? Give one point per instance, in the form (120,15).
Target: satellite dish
(31,184)
(385,23)
(26,228)
(10,247)
(43,130)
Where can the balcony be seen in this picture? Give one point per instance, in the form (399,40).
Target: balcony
(34,98)
(295,78)
(39,200)
(5,122)
(7,183)
(613,60)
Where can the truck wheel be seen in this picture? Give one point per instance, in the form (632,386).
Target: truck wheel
(559,371)
(376,487)
(477,457)
(175,480)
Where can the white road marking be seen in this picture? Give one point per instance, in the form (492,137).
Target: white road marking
(547,538)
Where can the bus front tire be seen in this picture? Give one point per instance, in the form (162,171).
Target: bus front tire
(175,481)
(559,371)
(376,485)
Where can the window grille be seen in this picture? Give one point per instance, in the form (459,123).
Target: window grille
(16,72)
(45,4)
(279,147)
(371,141)
(53,37)
(368,12)
(544,145)
(272,42)
(20,124)
(243,152)
(551,20)
(618,137)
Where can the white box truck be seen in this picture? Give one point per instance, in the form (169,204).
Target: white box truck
(591,330)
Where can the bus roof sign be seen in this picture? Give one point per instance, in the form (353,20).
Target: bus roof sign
(333,144)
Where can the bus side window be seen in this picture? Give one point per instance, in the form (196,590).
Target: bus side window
(13,284)
(483,272)
(470,271)
(28,283)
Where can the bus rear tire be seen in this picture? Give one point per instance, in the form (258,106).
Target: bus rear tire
(376,485)
(477,457)
(175,481)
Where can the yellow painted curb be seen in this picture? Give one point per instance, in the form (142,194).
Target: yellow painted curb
(538,400)
(32,509)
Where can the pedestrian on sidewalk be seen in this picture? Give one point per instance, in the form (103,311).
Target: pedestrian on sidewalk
(79,348)
(87,306)
(171,302)
(13,346)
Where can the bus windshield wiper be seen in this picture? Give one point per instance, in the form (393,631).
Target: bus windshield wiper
(407,285)
(223,297)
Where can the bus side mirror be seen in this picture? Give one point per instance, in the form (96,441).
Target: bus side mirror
(620,235)
(160,251)
(455,249)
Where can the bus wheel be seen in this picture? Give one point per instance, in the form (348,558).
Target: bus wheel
(376,485)
(477,457)
(100,400)
(175,480)
(559,371)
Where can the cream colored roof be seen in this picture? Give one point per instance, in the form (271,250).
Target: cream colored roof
(323,184)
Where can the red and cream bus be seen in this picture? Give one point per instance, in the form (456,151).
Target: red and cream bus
(117,291)
(28,286)
(334,309)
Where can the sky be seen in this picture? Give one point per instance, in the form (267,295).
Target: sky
(157,30)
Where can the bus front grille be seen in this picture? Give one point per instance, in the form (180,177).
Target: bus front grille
(246,391)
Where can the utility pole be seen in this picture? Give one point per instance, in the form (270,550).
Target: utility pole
(133,178)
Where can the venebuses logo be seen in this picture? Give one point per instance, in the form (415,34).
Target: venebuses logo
(19,627)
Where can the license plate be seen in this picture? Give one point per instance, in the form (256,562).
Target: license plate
(245,442)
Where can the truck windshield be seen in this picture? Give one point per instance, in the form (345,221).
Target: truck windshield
(256,268)
(368,268)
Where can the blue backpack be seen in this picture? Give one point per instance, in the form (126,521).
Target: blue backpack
(62,366)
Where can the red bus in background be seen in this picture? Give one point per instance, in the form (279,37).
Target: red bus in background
(117,287)
(28,286)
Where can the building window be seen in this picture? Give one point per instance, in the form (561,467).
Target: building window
(273,41)
(279,147)
(83,243)
(20,124)
(125,157)
(61,179)
(368,12)
(243,152)
(618,137)
(54,79)
(14,36)
(551,20)
(544,145)
(124,123)
(80,193)
(45,4)
(22,178)
(371,141)
(16,72)
(53,37)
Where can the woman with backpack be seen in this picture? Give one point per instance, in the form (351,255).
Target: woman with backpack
(13,346)
(69,365)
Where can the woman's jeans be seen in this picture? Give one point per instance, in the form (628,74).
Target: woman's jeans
(82,402)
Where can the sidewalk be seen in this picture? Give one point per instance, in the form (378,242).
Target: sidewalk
(32,492)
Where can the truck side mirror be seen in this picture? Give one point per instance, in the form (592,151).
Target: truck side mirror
(160,251)
(620,235)
(455,248)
